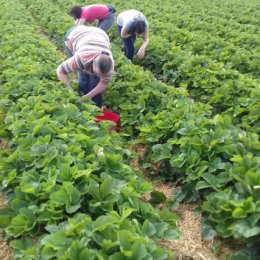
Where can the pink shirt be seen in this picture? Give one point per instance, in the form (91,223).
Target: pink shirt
(94,12)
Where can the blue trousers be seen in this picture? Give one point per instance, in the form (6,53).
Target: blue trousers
(106,23)
(128,44)
(86,81)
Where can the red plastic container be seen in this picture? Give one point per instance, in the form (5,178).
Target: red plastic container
(110,116)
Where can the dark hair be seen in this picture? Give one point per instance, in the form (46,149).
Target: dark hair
(138,26)
(75,11)
(104,63)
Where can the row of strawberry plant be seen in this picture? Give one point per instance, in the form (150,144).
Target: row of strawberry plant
(222,73)
(205,153)
(212,157)
(65,176)
(221,70)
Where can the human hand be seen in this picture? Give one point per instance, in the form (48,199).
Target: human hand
(70,88)
(141,53)
(84,97)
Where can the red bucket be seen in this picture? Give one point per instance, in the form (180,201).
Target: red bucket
(109,116)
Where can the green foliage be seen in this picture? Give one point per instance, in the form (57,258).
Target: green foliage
(61,163)
(65,175)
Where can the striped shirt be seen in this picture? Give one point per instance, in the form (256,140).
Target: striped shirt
(85,44)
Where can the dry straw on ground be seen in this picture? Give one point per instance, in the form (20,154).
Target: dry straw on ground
(190,246)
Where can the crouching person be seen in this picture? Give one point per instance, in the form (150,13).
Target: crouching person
(130,24)
(88,14)
(90,56)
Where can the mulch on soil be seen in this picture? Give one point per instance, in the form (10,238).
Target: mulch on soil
(190,246)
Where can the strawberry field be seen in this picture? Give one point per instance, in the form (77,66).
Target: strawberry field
(192,104)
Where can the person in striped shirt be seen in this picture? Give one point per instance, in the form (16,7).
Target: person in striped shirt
(103,13)
(90,56)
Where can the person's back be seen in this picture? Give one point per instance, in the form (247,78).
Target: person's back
(92,39)
(128,16)
(104,14)
(94,12)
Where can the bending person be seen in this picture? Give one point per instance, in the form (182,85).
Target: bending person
(90,56)
(131,23)
(103,13)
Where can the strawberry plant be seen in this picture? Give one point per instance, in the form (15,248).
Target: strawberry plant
(198,144)
(63,169)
